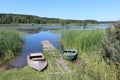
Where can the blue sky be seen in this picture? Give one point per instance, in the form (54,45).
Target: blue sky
(100,10)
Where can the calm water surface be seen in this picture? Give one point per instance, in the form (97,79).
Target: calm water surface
(33,41)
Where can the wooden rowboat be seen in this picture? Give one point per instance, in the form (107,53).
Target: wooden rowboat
(37,61)
(70,54)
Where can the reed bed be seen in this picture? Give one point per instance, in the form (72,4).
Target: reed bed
(10,43)
(90,66)
(82,40)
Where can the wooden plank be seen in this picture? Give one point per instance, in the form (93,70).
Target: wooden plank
(50,65)
(47,45)
(59,62)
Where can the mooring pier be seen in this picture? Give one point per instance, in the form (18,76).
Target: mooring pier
(55,60)
(47,45)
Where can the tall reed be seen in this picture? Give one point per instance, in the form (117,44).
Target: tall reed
(82,40)
(10,43)
(90,66)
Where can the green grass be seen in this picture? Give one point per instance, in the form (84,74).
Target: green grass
(82,40)
(90,65)
(10,43)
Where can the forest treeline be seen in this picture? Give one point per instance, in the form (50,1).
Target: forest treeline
(30,19)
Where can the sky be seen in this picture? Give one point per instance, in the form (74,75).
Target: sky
(101,10)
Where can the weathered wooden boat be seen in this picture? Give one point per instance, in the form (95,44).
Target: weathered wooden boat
(70,54)
(37,61)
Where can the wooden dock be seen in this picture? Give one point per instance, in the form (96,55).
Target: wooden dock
(47,45)
(55,60)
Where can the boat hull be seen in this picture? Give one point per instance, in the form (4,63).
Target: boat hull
(70,57)
(37,64)
(70,54)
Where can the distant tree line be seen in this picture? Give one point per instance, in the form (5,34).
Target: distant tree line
(109,22)
(30,19)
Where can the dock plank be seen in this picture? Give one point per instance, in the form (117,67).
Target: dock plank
(59,61)
(47,45)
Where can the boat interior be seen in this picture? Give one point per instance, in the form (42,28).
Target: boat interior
(71,52)
(37,58)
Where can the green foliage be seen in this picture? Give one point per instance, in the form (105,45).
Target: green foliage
(90,65)
(93,67)
(30,19)
(82,40)
(86,67)
(111,45)
(10,43)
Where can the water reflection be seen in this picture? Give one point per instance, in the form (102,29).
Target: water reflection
(33,44)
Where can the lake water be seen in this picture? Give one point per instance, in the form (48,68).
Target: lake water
(33,40)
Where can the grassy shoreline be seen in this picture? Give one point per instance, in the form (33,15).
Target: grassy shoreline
(84,41)
(10,44)
(89,65)
(89,45)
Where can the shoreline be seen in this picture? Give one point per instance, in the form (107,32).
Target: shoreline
(32,24)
